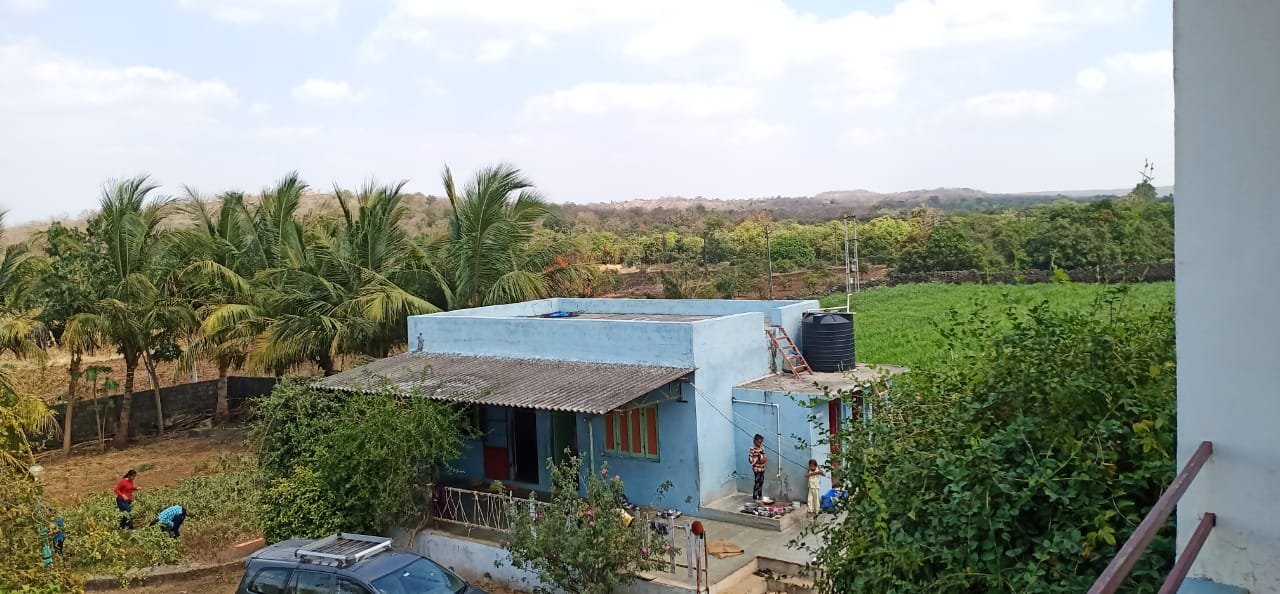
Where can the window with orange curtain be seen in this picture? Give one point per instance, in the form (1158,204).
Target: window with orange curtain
(632,432)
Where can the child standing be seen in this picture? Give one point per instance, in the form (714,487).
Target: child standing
(757,460)
(124,499)
(815,487)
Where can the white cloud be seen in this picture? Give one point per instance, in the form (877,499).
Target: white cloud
(50,81)
(25,6)
(860,54)
(1149,64)
(289,133)
(259,108)
(752,130)
(860,136)
(257,12)
(687,100)
(1012,104)
(326,92)
(494,50)
(1091,80)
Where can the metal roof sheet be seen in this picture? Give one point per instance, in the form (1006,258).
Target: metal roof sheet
(543,384)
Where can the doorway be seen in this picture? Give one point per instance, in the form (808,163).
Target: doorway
(564,435)
(524,445)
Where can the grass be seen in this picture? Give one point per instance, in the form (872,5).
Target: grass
(898,325)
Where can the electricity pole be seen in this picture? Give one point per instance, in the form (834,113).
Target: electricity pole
(768,256)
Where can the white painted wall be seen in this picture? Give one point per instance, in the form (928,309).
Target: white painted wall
(1227,56)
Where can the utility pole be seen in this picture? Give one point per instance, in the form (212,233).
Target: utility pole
(848,291)
(768,256)
(857,269)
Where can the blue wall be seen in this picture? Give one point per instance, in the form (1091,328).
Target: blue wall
(600,341)
(677,457)
(798,437)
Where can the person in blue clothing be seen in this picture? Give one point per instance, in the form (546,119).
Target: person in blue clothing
(170,519)
(59,536)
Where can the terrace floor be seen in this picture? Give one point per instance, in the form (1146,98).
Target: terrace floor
(813,383)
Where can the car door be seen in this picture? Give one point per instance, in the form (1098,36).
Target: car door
(267,580)
(310,582)
(349,586)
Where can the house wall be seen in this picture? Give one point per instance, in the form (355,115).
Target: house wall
(727,351)
(677,457)
(801,427)
(1227,254)
(600,341)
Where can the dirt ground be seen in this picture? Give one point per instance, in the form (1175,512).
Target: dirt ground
(225,582)
(160,462)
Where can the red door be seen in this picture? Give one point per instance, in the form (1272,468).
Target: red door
(835,412)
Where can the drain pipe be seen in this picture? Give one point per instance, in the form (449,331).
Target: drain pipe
(777,420)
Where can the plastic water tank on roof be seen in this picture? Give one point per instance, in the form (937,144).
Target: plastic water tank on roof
(828,341)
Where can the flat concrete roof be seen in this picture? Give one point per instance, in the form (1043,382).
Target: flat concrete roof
(858,377)
(632,317)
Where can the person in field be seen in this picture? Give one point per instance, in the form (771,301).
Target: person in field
(124,499)
(170,519)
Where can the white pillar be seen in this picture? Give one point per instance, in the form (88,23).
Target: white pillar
(1227,197)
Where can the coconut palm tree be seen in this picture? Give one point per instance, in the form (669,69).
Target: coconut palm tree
(135,315)
(217,265)
(494,247)
(21,334)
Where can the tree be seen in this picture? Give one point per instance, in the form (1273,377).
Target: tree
(134,311)
(69,283)
(947,246)
(580,543)
(1020,465)
(493,251)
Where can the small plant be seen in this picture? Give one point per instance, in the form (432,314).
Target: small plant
(581,544)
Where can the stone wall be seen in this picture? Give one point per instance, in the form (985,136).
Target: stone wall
(199,398)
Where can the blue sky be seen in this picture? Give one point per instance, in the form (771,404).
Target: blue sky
(595,100)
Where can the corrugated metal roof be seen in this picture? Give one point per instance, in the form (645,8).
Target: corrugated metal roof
(543,384)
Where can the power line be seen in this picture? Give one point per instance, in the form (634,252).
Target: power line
(745,431)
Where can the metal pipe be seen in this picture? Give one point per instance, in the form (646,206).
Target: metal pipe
(777,419)
(857,274)
(591,442)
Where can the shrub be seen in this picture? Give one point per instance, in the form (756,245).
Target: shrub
(354,462)
(1021,465)
(580,544)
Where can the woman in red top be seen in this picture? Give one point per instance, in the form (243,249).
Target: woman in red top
(124,499)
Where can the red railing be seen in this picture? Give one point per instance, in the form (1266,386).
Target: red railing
(1137,544)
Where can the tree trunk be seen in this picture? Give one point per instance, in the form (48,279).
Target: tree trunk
(74,373)
(121,440)
(155,388)
(222,411)
(326,364)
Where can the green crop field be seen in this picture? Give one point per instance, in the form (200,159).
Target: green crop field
(898,325)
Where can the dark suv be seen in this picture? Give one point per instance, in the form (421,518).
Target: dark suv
(346,564)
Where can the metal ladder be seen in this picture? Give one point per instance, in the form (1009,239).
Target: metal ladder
(788,349)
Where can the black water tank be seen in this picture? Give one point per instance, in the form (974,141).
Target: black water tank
(828,341)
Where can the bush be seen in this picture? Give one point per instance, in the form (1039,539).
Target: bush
(1021,465)
(354,462)
(580,544)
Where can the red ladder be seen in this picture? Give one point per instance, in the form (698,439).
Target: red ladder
(788,349)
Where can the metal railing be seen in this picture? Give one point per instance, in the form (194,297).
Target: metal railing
(490,511)
(474,509)
(1120,567)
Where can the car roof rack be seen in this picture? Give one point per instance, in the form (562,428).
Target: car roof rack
(343,549)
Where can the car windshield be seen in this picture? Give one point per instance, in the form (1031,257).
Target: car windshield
(420,577)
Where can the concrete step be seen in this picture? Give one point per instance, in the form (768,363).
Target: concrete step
(1197,586)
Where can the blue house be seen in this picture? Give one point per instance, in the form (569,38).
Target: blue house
(657,390)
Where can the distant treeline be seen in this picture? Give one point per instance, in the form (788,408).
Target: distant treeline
(1066,234)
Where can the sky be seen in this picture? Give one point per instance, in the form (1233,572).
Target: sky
(595,100)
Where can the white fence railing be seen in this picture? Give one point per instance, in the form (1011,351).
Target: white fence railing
(489,511)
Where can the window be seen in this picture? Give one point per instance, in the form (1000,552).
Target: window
(632,432)
(269,581)
(311,582)
(346,586)
(420,577)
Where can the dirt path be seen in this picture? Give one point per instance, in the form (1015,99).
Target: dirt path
(160,462)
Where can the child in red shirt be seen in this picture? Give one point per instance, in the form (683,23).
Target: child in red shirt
(124,499)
